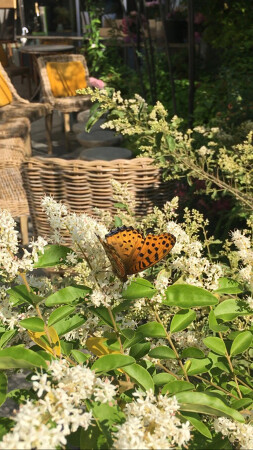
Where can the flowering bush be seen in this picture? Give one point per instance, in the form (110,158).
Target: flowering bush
(202,154)
(160,361)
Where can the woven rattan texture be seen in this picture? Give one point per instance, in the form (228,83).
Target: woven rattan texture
(84,185)
(63,104)
(13,151)
(19,107)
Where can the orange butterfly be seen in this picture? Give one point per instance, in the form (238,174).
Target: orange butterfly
(129,252)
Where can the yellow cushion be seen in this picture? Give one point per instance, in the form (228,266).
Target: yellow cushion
(5,93)
(66,77)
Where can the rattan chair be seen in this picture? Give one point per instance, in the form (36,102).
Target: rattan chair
(14,148)
(20,107)
(83,185)
(65,105)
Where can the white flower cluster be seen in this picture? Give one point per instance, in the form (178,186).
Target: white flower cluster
(238,433)
(151,423)
(197,270)
(245,254)
(84,232)
(10,264)
(60,409)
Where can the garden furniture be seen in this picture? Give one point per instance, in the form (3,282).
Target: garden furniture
(85,185)
(37,50)
(61,76)
(14,106)
(14,148)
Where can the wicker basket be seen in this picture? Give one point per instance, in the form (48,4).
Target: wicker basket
(83,185)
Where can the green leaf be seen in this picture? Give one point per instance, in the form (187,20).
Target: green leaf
(137,337)
(79,356)
(195,421)
(228,286)
(33,324)
(139,288)
(19,357)
(3,387)
(187,296)
(122,306)
(120,205)
(117,221)
(66,347)
(140,375)
(241,343)
(241,403)
(192,352)
(177,386)
(206,404)
(163,378)
(199,366)
(216,345)
(59,314)
(66,325)
(6,337)
(137,351)
(152,329)
(214,325)
(219,362)
(20,294)
(103,314)
(5,426)
(230,309)
(67,295)
(182,319)
(162,352)
(111,362)
(52,256)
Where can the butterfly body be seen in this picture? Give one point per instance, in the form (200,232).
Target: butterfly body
(129,252)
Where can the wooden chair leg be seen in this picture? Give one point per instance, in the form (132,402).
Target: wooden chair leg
(24,229)
(66,119)
(49,123)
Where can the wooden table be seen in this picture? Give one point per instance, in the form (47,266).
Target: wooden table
(40,50)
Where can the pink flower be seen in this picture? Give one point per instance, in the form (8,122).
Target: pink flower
(94,82)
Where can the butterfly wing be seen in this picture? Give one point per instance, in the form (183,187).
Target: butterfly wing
(149,251)
(119,245)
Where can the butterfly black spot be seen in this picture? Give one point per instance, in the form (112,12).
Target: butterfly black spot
(156,249)
(148,259)
(156,256)
(163,242)
(153,245)
(138,248)
(155,238)
(141,255)
(124,234)
(143,265)
(164,250)
(131,245)
(149,251)
(167,245)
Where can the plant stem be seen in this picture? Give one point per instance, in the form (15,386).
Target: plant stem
(231,367)
(215,386)
(167,370)
(115,329)
(172,345)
